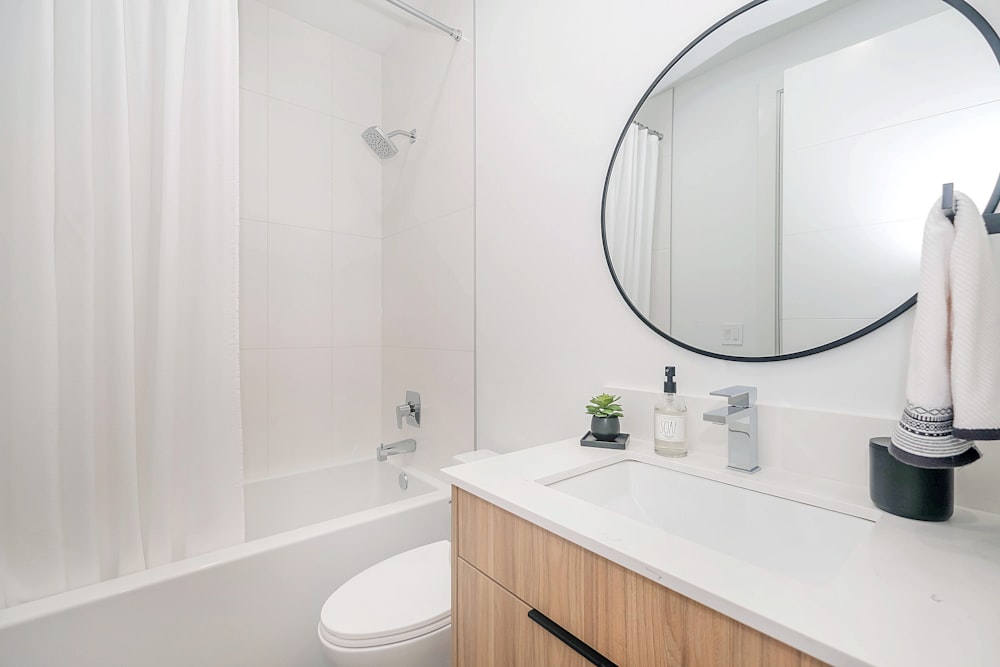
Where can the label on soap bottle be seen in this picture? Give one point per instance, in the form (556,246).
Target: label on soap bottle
(670,428)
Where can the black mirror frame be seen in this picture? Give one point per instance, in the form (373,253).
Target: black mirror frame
(970,13)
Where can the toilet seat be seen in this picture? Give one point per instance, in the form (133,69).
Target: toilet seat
(403,597)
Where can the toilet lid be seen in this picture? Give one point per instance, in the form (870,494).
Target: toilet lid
(402,597)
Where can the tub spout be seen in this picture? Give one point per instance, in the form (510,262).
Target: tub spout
(383,452)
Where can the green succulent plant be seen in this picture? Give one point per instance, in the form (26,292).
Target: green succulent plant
(604,405)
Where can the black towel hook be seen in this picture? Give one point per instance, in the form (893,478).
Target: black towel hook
(992,220)
(948,200)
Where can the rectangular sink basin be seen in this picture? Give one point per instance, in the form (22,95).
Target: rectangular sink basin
(803,541)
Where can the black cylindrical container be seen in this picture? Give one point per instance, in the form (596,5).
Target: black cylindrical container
(904,490)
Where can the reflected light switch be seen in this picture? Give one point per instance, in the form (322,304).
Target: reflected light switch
(732,334)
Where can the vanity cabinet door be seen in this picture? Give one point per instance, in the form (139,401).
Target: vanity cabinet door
(668,629)
(492,628)
(577,589)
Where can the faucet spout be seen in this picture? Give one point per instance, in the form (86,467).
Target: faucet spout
(740,415)
(722,415)
(383,452)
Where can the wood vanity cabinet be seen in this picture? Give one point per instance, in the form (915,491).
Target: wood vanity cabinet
(504,566)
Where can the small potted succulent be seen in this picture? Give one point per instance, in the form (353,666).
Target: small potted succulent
(605,411)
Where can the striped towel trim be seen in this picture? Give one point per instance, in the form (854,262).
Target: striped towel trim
(928,432)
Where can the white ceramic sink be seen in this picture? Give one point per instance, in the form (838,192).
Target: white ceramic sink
(806,542)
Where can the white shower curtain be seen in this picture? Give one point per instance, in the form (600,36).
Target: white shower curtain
(631,204)
(120,442)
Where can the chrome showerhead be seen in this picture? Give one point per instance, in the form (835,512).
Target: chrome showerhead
(381,143)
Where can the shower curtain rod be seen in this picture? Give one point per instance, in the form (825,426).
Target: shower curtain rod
(454,32)
(658,135)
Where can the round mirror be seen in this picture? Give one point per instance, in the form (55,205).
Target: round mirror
(766,199)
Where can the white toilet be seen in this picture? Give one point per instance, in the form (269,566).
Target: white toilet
(396,612)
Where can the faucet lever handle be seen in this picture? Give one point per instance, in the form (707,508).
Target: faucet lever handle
(410,411)
(739,395)
(402,411)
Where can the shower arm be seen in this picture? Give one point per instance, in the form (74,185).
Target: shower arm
(412,134)
(455,33)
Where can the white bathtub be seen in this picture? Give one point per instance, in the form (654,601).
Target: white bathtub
(252,604)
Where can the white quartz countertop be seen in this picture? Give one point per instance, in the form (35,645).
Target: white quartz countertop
(911,593)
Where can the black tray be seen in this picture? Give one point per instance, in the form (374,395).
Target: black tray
(618,443)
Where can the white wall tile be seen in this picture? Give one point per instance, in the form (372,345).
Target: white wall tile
(453,280)
(322,309)
(407,308)
(304,290)
(253,284)
(299,166)
(253,156)
(253,390)
(299,409)
(299,65)
(356,189)
(357,397)
(298,287)
(356,303)
(253,45)
(356,83)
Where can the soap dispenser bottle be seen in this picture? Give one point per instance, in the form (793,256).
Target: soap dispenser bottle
(670,420)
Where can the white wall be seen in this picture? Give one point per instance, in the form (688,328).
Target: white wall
(310,247)
(428,262)
(551,327)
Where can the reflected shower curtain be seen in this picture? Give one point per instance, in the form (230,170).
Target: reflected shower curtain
(120,442)
(631,204)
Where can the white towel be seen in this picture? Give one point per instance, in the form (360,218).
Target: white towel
(953,383)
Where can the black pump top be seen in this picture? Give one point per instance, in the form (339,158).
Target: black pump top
(669,387)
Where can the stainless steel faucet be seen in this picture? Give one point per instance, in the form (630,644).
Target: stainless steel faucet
(383,451)
(740,415)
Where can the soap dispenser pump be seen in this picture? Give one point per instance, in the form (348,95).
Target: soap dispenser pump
(670,420)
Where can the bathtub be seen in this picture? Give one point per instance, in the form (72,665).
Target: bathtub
(256,603)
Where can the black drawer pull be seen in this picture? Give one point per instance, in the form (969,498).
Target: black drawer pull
(566,637)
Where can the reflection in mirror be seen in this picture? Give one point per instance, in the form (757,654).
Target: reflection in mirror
(770,194)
